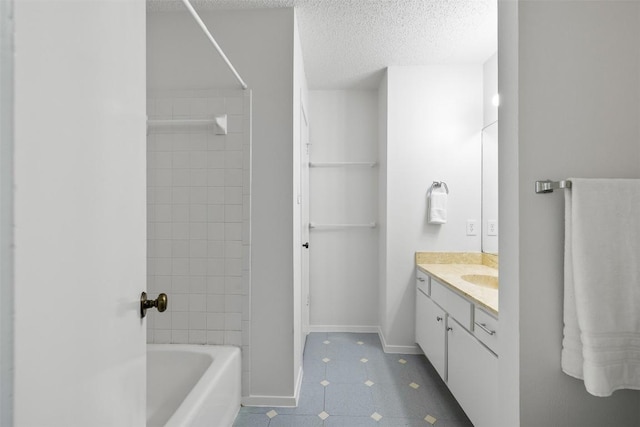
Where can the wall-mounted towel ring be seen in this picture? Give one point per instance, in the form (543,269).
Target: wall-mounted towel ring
(438,184)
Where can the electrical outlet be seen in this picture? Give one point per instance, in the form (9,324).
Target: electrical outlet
(492,227)
(472,227)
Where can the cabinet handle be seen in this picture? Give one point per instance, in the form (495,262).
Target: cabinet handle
(420,279)
(439,319)
(483,326)
(449,328)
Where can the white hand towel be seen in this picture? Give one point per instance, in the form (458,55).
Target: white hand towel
(437,206)
(601,343)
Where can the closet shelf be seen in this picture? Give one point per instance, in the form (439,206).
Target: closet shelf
(340,164)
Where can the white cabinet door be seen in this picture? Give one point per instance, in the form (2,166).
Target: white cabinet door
(472,375)
(430,332)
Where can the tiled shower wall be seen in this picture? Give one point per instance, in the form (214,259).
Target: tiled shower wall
(198,195)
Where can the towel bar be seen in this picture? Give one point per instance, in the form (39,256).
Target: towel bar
(548,186)
(438,184)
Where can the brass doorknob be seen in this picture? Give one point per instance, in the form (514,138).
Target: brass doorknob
(160,303)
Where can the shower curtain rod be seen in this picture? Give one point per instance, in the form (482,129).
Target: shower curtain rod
(213,41)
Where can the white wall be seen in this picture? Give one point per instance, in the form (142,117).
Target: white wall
(434,122)
(80,213)
(569,76)
(489,89)
(260,44)
(489,153)
(344,276)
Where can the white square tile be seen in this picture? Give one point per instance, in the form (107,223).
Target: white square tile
(162,267)
(215,231)
(163,230)
(198,195)
(233,195)
(198,142)
(180,177)
(198,107)
(180,213)
(246,333)
(233,304)
(215,285)
(215,195)
(197,320)
(163,160)
(235,123)
(234,142)
(431,420)
(215,177)
(233,267)
(233,160)
(233,231)
(180,266)
(197,337)
(163,248)
(198,178)
(180,231)
(163,195)
(163,213)
(180,195)
(215,213)
(323,415)
(246,258)
(198,231)
(325,383)
(180,159)
(376,416)
(414,386)
(197,266)
(271,413)
(215,267)
(215,303)
(233,177)
(162,178)
(233,285)
(162,336)
(198,213)
(233,322)
(197,285)
(233,250)
(198,248)
(181,108)
(180,248)
(215,321)
(164,321)
(246,237)
(215,249)
(164,142)
(234,105)
(197,159)
(233,338)
(215,337)
(216,159)
(180,284)
(180,337)
(369,383)
(216,142)
(233,213)
(179,320)
(178,302)
(164,107)
(215,106)
(197,302)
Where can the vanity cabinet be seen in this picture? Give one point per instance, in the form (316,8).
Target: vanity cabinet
(431,335)
(460,340)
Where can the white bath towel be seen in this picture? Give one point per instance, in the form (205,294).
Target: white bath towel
(437,205)
(601,343)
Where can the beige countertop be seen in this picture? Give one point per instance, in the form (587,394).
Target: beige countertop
(450,274)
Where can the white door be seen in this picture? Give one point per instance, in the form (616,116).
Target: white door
(80,215)
(304,219)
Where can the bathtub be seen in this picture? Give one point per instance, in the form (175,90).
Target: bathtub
(192,385)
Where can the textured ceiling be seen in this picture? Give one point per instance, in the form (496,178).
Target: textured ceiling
(347,43)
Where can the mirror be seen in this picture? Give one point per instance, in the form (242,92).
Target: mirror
(490,188)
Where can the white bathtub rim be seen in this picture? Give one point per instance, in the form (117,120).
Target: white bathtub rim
(223,356)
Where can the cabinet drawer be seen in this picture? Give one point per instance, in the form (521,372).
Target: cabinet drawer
(457,307)
(485,328)
(422,282)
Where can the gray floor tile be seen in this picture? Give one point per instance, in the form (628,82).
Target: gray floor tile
(349,402)
(247,419)
(342,421)
(343,371)
(296,421)
(348,399)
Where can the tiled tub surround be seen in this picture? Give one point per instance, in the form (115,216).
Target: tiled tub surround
(350,382)
(198,220)
(449,267)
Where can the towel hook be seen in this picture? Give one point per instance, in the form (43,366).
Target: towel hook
(438,184)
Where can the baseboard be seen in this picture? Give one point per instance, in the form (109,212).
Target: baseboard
(277,401)
(397,349)
(344,328)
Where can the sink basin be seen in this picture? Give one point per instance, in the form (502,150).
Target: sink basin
(484,280)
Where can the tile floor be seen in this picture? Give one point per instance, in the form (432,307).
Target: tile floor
(349,381)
